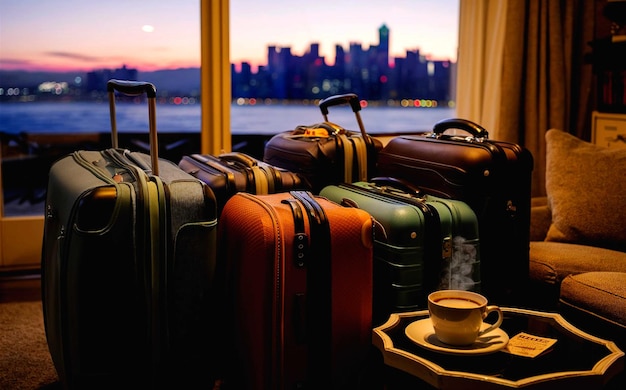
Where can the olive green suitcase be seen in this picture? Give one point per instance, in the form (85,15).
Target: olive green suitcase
(127,263)
(422,242)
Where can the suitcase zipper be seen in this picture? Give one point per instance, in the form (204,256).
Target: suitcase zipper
(277,316)
(96,170)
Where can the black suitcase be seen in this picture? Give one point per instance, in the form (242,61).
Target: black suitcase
(422,243)
(492,177)
(128,258)
(229,173)
(326,153)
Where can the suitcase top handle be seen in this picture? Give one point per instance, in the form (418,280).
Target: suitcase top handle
(336,100)
(240,158)
(478,132)
(136,88)
(132,88)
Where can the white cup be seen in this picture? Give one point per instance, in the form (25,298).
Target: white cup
(457,316)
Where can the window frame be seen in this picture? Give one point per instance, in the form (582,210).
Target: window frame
(21,236)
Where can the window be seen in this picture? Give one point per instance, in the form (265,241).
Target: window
(45,37)
(21,224)
(393,55)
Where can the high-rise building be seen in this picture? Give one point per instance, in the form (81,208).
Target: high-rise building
(366,72)
(383,45)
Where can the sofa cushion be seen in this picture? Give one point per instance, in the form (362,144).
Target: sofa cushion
(600,294)
(540,218)
(586,189)
(551,262)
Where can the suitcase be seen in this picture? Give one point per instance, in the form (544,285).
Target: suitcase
(492,177)
(422,243)
(301,290)
(128,258)
(229,173)
(326,153)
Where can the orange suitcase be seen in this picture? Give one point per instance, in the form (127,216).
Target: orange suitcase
(301,290)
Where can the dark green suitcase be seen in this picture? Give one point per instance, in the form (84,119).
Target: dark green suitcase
(422,243)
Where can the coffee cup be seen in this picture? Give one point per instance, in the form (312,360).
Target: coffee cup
(457,316)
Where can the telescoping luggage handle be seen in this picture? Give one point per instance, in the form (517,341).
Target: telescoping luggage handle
(348,98)
(478,132)
(136,88)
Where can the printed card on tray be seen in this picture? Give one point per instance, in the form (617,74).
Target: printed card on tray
(525,344)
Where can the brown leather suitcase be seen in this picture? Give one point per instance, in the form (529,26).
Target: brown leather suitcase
(492,177)
(301,290)
(229,173)
(325,153)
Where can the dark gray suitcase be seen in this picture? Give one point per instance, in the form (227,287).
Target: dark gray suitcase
(492,177)
(422,242)
(128,259)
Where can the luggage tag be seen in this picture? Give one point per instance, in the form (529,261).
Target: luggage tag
(319,130)
(318,133)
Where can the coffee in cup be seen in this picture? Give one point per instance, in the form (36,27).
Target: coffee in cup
(457,316)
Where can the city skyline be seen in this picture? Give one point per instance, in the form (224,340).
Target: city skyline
(60,40)
(369,72)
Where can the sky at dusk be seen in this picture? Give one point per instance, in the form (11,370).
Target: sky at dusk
(84,35)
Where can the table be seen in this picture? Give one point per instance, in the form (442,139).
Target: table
(576,360)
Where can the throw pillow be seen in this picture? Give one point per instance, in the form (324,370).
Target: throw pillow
(586,188)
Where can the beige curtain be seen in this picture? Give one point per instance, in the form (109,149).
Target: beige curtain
(542,82)
(481,39)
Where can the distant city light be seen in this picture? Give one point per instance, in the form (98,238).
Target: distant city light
(53,87)
(430,66)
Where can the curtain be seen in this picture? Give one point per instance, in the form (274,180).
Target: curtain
(481,39)
(543,81)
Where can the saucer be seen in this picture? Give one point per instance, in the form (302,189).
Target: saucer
(422,333)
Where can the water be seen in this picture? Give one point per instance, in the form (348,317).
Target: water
(75,117)
(90,117)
